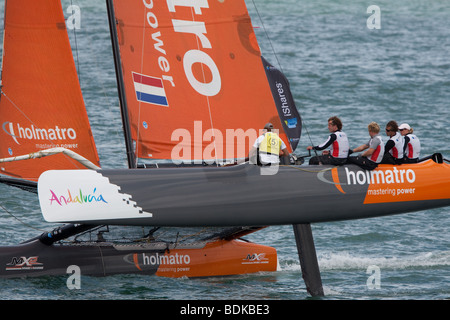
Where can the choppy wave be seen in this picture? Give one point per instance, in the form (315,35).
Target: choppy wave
(336,66)
(348,261)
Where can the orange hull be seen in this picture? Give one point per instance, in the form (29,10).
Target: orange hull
(217,259)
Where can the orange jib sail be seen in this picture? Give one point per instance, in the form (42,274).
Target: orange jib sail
(41,104)
(194,81)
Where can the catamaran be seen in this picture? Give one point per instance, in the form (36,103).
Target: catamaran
(194,92)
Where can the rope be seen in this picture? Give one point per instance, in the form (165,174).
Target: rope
(35,155)
(76,49)
(280,66)
(20,221)
(307,170)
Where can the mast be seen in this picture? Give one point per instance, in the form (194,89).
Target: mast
(131,157)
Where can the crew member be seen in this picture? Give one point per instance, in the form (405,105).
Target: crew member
(337,142)
(374,153)
(393,149)
(269,147)
(412,144)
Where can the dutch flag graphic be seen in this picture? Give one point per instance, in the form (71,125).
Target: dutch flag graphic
(149,89)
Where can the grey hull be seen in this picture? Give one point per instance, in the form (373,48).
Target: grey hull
(37,259)
(247,195)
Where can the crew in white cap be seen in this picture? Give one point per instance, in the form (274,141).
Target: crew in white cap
(412,144)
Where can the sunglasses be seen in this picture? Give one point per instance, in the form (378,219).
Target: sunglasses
(390,130)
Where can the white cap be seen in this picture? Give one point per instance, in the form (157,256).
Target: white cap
(404,126)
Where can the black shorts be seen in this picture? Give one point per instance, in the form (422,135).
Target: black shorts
(363,162)
(389,159)
(327,159)
(408,160)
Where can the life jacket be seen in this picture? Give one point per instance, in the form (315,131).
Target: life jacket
(397,150)
(378,154)
(271,144)
(413,147)
(339,147)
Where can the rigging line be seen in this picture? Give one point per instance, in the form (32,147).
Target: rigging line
(78,65)
(111,109)
(22,222)
(267,36)
(3,46)
(184,238)
(76,48)
(139,102)
(18,109)
(279,64)
(306,170)
(208,103)
(37,127)
(309,137)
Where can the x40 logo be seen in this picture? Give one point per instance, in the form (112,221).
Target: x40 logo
(255,258)
(24,263)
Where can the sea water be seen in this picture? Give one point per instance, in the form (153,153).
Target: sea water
(389,62)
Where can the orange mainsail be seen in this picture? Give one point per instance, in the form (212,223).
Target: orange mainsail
(41,105)
(194,82)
